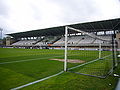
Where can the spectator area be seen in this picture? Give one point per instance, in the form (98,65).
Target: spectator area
(72,41)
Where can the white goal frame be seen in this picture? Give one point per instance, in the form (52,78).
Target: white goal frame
(80,31)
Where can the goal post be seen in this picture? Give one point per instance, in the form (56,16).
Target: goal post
(66,39)
(65,59)
(100,50)
(115,53)
(93,59)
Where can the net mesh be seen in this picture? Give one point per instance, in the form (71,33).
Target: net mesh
(89,54)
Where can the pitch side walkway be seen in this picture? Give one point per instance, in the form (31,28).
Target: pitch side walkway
(118,85)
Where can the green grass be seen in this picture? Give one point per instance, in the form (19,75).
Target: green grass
(101,67)
(71,81)
(39,66)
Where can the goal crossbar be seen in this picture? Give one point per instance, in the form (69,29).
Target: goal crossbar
(77,30)
(89,34)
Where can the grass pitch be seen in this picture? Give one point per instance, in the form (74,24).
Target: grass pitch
(22,66)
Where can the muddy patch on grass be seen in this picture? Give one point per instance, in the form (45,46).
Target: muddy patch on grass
(70,60)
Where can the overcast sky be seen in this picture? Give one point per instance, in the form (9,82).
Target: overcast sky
(24,15)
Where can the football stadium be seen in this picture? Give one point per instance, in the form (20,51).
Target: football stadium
(78,56)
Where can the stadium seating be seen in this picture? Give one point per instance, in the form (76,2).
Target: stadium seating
(24,43)
(81,40)
(46,41)
(41,44)
(59,42)
(86,39)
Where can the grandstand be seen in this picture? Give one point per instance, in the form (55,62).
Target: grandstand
(72,41)
(24,43)
(99,36)
(54,37)
(82,40)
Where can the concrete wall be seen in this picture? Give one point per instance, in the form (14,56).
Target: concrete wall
(8,41)
(118,39)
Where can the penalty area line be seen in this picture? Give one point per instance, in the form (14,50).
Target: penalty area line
(36,81)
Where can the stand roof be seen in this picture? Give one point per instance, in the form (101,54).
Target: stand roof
(104,25)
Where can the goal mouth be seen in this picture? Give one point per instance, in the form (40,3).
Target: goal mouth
(70,60)
(97,49)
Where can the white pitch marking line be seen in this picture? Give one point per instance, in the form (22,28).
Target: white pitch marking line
(36,81)
(32,59)
(27,60)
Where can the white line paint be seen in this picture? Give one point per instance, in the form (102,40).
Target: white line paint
(53,75)
(27,60)
(36,81)
(33,59)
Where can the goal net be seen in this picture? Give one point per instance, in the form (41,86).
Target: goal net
(89,53)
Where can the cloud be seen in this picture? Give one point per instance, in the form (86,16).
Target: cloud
(78,10)
(24,15)
(27,15)
(50,13)
(109,8)
(3,9)
(89,10)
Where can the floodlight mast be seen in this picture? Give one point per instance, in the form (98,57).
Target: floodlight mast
(65,59)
